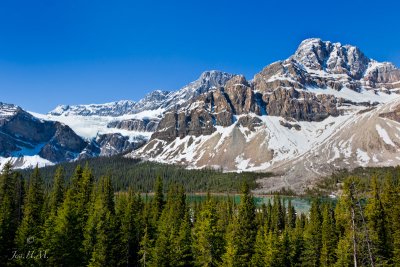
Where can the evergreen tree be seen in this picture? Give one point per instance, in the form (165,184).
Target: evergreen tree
(145,249)
(378,225)
(101,235)
(291,216)
(244,234)
(396,230)
(260,246)
(29,232)
(313,237)
(168,227)
(328,237)
(132,227)
(57,193)
(65,246)
(11,195)
(54,202)
(182,252)
(272,255)
(344,253)
(278,215)
(297,241)
(207,237)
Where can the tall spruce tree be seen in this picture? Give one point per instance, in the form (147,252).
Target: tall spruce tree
(313,237)
(243,235)
(132,227)
(378,226)
(11,197)
(65,246)
(208,237)
(29,232)
(328,236)
(101,234)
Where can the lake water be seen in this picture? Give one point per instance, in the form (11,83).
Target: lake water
(301,205)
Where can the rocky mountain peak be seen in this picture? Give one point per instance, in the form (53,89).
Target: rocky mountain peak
(8,110)
(334,58)
(151,101)
(208,80)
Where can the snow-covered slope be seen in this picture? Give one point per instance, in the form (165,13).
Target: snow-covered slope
(91,126)
(299,150)
(117,108)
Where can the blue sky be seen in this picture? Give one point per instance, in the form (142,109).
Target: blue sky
(82,51)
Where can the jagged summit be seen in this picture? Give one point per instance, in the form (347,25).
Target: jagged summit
(326,65)
(333,58)
(116,108)
(7,110)
(151,101)
(208,80)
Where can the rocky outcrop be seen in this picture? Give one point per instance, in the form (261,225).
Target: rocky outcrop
(143,125)
(392,115)
(215,108)
(249,122)
(112,144)
(382,75)
(301,105)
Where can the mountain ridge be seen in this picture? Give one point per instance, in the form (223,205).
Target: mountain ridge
(278,121)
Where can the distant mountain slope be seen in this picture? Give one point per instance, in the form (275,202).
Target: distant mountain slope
(162,100)
(22,134)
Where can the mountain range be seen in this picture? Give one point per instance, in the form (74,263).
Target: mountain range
(326,107)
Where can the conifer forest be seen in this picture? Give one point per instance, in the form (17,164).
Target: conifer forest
(82,220)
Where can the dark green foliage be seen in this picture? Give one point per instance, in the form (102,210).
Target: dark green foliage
(242,232)
(29,233)
(313,236)
(141,176)
(11,197)
(83,222)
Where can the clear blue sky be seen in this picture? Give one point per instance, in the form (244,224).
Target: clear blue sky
(81,51)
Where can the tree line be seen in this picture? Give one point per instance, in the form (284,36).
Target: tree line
(141,175)
(86,223)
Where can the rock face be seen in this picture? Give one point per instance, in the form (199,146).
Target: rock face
(113,144)
(301,105)
(143,125)
(214,108)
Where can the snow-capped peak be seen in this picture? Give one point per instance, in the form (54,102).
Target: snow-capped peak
(207,81)
(113,109)
(8,110)
(331,57)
